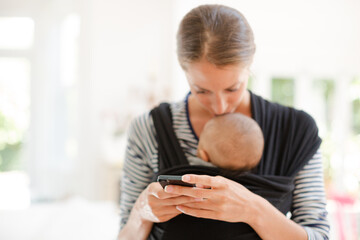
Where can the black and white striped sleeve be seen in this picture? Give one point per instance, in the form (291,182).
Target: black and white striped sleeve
(139,163)
(309,200)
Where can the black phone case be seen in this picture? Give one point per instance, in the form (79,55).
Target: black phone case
(165,180)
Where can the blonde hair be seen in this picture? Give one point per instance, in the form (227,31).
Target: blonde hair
(217,33)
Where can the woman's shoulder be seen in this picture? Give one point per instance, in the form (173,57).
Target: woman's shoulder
(291,136)
(141,121)
(275,111)
(145,121)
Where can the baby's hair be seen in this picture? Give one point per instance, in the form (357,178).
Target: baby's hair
(232,136)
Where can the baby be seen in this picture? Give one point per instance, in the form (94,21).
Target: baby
(232,141)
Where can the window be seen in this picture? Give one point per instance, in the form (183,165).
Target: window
(325,89)
(324,95)
(15,71)
(282,91)
(16,39)
(355,96)
(14,110)
(16,33)
(251,80)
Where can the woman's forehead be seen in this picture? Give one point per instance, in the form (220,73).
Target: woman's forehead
(204,73)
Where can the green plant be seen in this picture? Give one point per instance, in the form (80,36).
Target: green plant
(10,144)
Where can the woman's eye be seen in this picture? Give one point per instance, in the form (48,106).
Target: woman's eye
(232,90)
(201,92)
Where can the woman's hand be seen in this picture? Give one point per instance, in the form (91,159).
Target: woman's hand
(217,198)
(156,205)
(152,205)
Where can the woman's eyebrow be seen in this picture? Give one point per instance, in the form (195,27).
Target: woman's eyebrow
(204,89)
(200,88)
(238,82)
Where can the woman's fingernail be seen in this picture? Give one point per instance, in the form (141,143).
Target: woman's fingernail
(179,208)
(186,178)
(199,199)
(168,189)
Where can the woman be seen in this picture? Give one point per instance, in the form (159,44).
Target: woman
(215,50)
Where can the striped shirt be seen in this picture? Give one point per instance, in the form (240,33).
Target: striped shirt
(141,163)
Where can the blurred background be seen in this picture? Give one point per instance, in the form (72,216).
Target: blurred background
(73,73)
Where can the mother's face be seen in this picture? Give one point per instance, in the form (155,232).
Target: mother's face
(218,90)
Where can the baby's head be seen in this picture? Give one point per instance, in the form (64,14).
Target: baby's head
(232,141)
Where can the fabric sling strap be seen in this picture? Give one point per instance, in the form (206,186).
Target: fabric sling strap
(169,148)
(291,137)
(273,182)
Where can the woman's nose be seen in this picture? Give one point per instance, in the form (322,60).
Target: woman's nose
(219,105)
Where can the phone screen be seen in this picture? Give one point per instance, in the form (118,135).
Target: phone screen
(165,180)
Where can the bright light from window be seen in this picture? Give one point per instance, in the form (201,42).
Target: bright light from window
(14,90)
(16,32)
(14,191)
(68,49)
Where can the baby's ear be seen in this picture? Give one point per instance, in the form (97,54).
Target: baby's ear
(203,155)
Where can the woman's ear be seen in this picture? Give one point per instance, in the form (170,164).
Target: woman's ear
(203,155)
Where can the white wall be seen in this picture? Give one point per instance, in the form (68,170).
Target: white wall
(124,50)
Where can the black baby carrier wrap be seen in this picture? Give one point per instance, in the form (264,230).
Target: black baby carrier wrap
(291,139)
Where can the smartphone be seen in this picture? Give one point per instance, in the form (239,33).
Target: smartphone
(165,180)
